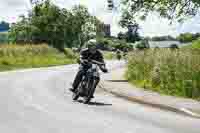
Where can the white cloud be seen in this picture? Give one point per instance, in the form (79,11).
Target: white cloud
(156,26)
(10,9)
(192,25)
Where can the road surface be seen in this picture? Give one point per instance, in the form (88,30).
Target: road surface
(36,101)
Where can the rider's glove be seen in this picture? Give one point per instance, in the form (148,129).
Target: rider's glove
(87,64)
(105,70)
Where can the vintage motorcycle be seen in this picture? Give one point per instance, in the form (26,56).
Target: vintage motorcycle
(89,82)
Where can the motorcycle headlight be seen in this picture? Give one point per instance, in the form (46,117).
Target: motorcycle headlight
(94,66)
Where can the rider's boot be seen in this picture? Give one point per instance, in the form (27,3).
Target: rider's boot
(72,89)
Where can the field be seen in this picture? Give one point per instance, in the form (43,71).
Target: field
(31,56)
(167,71)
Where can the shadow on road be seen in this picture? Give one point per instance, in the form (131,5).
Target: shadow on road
(96,103)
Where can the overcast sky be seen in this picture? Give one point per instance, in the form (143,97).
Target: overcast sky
(154,25)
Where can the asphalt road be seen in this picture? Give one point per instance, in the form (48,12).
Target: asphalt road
(36,101)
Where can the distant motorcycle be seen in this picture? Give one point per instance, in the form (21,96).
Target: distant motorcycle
(87,86)
(118,55)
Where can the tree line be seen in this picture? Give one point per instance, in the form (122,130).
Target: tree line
(188,37)
(183,37)
(58,27)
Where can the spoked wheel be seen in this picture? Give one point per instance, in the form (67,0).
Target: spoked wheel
(91,89)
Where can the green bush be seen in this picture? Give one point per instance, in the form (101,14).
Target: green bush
(194,45)
(142,44)
(187,37)
(70,54)
(172,72)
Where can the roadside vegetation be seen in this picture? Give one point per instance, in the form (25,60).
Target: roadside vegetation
(109,55)
(55,26)
(46,36)
(3,37)
(31,56)
(173,72)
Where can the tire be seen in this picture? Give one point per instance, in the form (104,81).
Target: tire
(91,89)
(76,94)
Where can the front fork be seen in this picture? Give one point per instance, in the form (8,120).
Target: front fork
(92,84)
(96,81)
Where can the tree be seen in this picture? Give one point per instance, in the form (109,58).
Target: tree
(186,37)
(121,36)
(84,24)
(43,25)
(47,23)
(132,34)
(20,31)
(171,9)
(128,22)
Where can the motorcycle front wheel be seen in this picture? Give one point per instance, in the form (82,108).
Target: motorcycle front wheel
(76,94)
(90,93)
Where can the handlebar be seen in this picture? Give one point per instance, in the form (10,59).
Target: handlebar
(101,64)
(97,62)
(94,61)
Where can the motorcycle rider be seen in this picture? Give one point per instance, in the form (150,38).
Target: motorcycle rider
(90,53)
(118,54)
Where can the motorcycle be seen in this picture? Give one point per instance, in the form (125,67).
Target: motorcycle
(118,55)
(89,81)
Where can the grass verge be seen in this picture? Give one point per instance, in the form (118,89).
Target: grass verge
(32,56)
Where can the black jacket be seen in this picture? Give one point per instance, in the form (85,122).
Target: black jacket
(86,54)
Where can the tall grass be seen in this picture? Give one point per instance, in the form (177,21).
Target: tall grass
(28,56)
(172,72)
